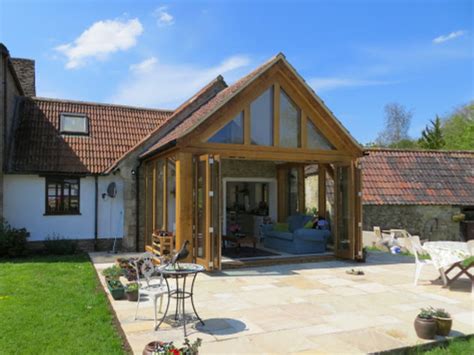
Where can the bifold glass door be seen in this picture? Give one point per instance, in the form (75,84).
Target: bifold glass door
(207,213)
(343,188)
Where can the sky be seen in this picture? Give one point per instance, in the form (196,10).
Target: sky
(357,55)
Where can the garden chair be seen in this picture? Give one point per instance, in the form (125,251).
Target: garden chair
(413,244)
(147,288)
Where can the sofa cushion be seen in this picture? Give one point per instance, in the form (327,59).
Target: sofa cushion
(280,235)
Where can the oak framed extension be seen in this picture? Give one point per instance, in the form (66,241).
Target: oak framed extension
(269,115)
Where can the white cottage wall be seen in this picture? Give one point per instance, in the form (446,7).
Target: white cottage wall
(24,207)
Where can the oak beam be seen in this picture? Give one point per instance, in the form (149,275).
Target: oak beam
(322,190)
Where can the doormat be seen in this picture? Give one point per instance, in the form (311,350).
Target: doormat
(245,252)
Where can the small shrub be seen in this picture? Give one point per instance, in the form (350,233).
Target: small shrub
(113,273)
(57,245)
(13,241)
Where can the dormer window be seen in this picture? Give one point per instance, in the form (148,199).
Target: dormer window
(72,123)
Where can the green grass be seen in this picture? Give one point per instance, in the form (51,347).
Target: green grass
(54,305)
(454,347)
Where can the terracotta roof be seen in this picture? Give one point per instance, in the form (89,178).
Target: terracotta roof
(113,130)
(414,177)
(200,115)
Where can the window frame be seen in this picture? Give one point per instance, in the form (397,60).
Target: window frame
(61,180)
(73,133)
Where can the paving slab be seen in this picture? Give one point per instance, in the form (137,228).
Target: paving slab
(311,308)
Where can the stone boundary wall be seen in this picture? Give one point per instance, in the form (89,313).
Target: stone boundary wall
(429,222)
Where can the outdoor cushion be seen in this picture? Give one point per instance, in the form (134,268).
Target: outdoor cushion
(281,227)
(296,221)
(309,225)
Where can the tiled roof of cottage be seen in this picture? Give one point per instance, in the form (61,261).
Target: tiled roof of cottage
(414,177)
(113,130)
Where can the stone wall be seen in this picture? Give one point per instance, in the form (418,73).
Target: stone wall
(429,222)
(248,168)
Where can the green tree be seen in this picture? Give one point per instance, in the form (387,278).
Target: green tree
(432,136)
(458,129)
(405,144)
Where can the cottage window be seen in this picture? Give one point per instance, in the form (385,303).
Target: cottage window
(73,124)
(62,196)
(232,132)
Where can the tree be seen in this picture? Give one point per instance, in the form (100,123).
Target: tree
(432,137)
(397,124)
(458,129)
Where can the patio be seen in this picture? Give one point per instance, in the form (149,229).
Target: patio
(313,307)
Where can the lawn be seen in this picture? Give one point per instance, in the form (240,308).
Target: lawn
(54,305)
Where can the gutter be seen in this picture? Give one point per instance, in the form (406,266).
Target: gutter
(166,146)
(96,213)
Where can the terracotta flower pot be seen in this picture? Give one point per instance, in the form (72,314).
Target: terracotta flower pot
(132,296)
(425,328)
(443,326)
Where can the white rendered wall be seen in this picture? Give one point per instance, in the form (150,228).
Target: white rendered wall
(24,207)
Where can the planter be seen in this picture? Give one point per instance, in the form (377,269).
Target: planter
(132,296)
(443,326)
(425,328)
(116,289)
(150,347)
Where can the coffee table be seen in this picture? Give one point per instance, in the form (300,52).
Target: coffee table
(240,239)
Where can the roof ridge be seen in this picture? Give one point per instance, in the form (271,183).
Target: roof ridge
(91,103)
(412,150)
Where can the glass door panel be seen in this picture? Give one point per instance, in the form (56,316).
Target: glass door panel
(207,212)
(343,192)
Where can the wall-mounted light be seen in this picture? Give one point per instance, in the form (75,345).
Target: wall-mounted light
(134,172)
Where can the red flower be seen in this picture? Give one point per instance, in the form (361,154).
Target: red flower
(175,352)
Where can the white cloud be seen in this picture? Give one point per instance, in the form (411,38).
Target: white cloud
(163,17)
(331,83)
(154,84)
(100,40)
(448,37)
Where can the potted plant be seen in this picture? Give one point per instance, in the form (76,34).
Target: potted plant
(425,324)
(168,348)
(116,289)
(131,291)
(444,321)
(112,275)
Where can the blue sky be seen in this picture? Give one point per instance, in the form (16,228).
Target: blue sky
(357,55)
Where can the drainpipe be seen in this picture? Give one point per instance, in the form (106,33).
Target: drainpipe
(96,213)
(137,206)
(5,101)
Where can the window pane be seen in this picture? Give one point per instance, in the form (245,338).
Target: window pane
(293,191)
(171,196)
(261,117)
(73,124)
(316,140)
(232,132)
(159,195)
(290,121)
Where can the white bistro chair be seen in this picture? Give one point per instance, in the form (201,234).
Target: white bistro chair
(413,244)
(147,288)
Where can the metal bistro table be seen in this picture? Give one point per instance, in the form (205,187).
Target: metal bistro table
(180,272)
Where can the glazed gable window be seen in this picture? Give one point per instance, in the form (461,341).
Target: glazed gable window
(62,196)
(71,123)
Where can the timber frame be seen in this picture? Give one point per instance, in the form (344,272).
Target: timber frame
(340,163)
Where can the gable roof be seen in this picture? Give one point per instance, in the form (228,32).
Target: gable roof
(416,177)
(38,146)
(218,101)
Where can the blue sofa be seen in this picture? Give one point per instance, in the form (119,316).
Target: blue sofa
(298,240)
